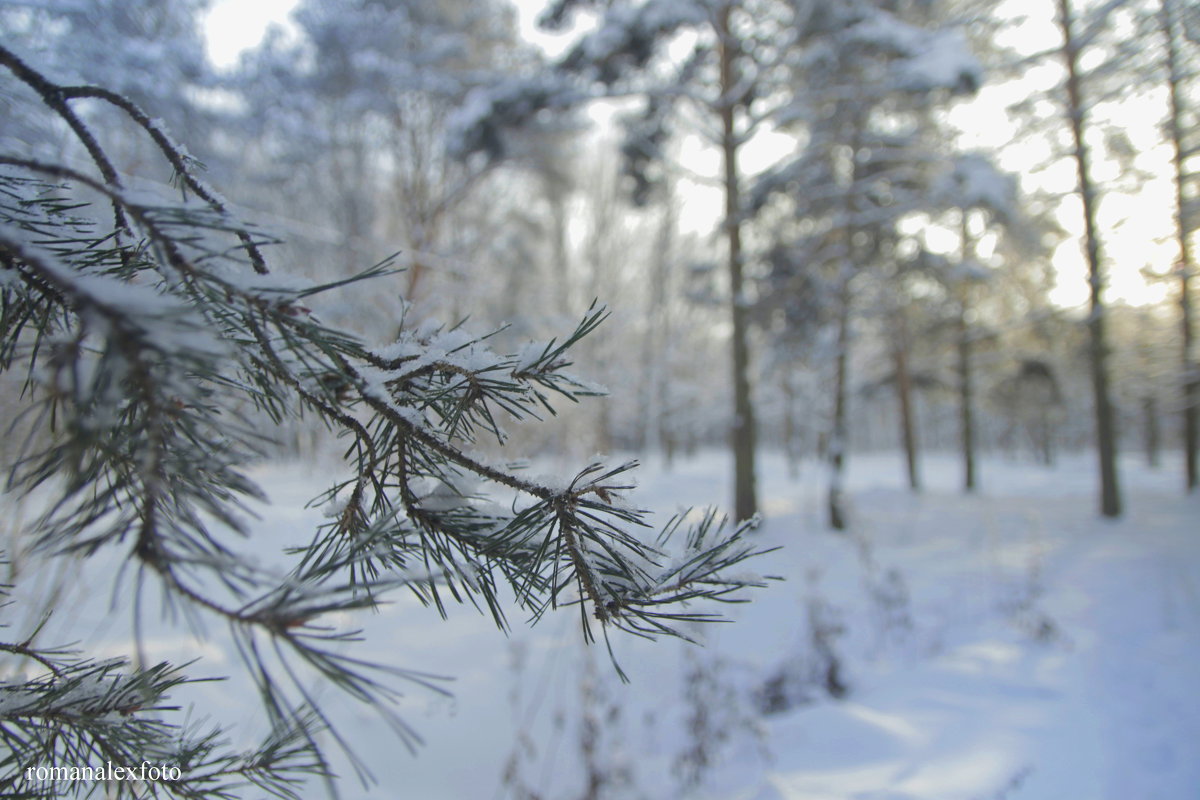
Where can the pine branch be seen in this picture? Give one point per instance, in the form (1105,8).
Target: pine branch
(156,364)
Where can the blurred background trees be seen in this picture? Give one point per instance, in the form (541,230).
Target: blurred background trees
(824,228)
(828,226)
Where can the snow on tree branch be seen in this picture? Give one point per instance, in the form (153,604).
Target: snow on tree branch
(165,349)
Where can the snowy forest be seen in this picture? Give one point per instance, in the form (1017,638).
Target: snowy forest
(599,399)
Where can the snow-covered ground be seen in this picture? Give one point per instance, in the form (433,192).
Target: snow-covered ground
(1007,645)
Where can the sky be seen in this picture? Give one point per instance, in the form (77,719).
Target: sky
(1138,227)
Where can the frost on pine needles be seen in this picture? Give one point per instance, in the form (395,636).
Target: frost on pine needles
(157,350)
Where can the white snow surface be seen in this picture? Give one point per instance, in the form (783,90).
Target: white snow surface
(1007,645)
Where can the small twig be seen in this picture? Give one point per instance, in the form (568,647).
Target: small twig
(25,650)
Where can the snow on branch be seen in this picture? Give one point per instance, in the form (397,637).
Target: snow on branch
(168,351)
(931,59)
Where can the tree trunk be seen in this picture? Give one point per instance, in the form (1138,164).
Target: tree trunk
(1191,373)
(742,432)
(655,342)
(908,429)
(837,441)
(347,166)
(1110,493)
(791,430)
(557,195)
(1151,431)
(1043,438)
(965,399)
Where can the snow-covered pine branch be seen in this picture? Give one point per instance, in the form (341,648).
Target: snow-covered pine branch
(155,347)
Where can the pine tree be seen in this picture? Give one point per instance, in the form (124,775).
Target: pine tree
(727,88)
(152,343)
(867,81)
(1179,39)
(370,84)
(163,48)
(975,189)
(1075,108)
